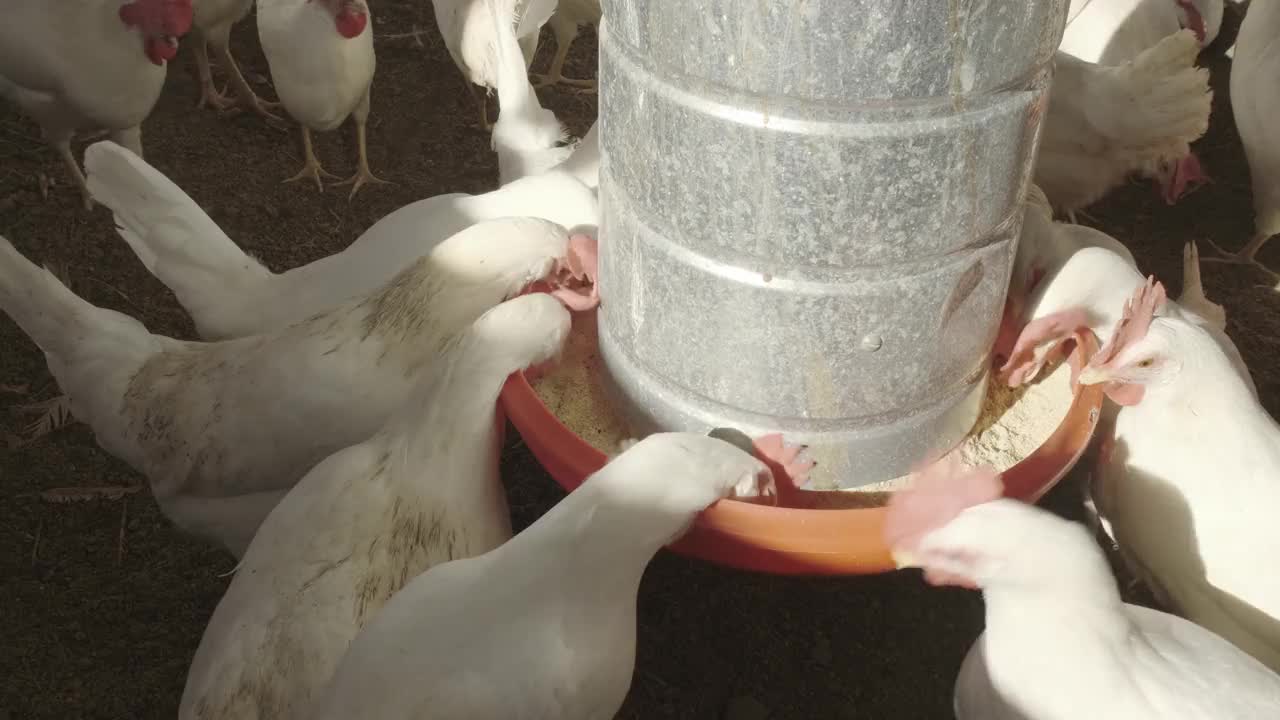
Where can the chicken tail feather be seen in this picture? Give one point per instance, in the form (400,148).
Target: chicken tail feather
(173,237)
(528,138)
(76,336)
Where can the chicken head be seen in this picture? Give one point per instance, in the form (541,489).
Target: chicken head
(573,278)
(1039,343)
(1126,363)
(161,23)
(937,495)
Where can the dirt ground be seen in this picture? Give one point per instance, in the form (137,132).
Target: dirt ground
(102,602)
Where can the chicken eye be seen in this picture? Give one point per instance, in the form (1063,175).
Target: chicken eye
(1146,363)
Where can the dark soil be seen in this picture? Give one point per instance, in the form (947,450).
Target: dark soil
(102,602)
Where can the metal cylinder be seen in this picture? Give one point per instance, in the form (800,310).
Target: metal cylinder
(809,211)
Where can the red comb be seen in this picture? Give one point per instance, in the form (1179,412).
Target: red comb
(1135,321)
(936,496)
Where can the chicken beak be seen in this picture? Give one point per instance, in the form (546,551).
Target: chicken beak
(1093,376)
(904,559)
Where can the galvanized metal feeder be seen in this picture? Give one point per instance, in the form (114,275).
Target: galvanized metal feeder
(809,214)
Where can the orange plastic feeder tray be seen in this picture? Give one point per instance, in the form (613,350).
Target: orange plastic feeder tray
(792,540)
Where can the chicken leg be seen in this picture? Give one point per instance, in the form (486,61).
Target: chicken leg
(311,166)
(566,32)
(247,97)
(482,102)
(209,94)
(363,173)
(63,146)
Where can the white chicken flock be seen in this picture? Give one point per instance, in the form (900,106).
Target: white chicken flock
(335,428)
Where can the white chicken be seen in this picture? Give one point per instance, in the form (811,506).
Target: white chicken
(1085,290)
(1112,32)
(223,430)
(212,26)
(422,491)
(467,29)
(230,294)
(1105,123)
(1190,480)
(569,16)
(1255,101)
(322,63)
(88,65)
(1059,643)
(528,138)
(545,625)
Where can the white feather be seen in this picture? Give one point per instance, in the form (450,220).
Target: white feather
(321,77)
(545,625)
(229,294)
(424,490)
(223,429)
(1255,102)
(1060,644)
(528,138)
(1105,123)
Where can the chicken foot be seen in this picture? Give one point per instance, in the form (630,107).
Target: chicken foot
(564,38)
(63,146)
(210,95)
(1246,255)
(311,166)
(363,173)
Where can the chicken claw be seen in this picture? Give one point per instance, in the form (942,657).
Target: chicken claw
(311,167)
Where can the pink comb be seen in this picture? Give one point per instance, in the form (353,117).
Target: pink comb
(1058,327)
(580,265)
(1135,321)
(937,495)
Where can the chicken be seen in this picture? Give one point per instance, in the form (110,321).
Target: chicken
(569,16)
(230,294)
(1045,246)
(422,491)
(1105,123)
(545,625)
(223,430)
(1059,643)
(1086,291)
(212,26)
(467,29)
(1191,476)
(88,64)
(528,138)
(322,62)
(1255,101)
(1113,32)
